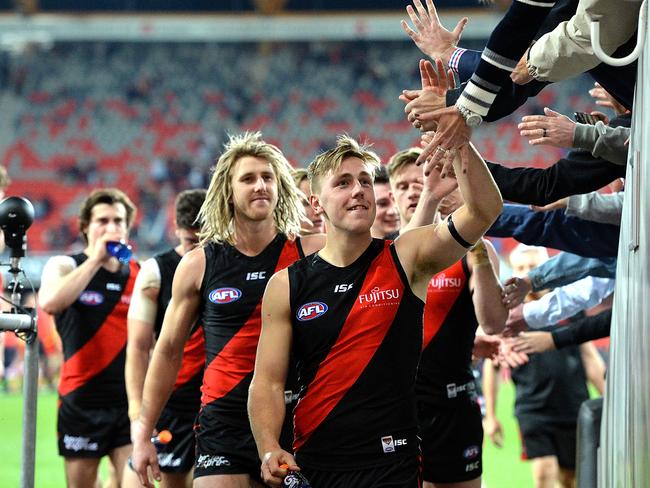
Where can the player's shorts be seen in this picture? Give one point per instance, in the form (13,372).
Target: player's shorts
(91,432)
(547,439)
(452,440)
(178,455)
(403,473)
(224,447)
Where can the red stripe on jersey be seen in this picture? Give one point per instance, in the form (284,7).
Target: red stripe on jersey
(443,291)
(237,359)
(107,343)
(193,358)
(362,334)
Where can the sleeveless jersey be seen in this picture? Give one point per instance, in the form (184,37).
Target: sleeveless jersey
(232,289)
(93,335)
(357,334)
(450,325)
(186,396)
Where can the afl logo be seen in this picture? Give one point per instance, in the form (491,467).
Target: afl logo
(91,298)
(471,452)
(310,311)
(224,295)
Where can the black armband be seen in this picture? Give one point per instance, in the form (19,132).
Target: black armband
(454,233)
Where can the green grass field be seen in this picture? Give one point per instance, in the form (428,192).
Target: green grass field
(502,467)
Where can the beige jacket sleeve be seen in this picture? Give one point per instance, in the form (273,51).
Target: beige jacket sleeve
(566,51)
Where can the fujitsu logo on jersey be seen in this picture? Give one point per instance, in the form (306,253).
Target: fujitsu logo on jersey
(310,311)
(441,281)
(91,298)
(224,295)
(379,298)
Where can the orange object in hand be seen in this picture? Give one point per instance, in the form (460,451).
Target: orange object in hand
(164,437)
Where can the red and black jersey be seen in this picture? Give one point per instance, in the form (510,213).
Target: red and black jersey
(232,290)
(93,335)
(187,389)
(357,334)
(449,329)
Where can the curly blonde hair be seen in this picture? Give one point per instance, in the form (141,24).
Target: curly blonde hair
(217,212)
(330,160)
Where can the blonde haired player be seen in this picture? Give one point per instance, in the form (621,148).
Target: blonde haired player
(249,223)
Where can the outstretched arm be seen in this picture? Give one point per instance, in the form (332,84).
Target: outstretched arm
(427,250)
(266,407)
(558,230)
(428,33)
(561,269)
(578,332)
(504,49)
(567,51)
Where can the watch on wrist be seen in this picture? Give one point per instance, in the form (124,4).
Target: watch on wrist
(472,119)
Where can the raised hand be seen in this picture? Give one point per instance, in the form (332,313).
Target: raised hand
(428,34)
(452,134)
(604,99)
(551,129)
(515,290)
(431,97)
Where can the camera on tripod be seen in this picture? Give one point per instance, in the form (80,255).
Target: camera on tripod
(16,216)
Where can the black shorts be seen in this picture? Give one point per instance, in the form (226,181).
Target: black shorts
(178,455)
(227,447)
(91,432)
(452,440)
(548,439)
(403,473)
(224,447)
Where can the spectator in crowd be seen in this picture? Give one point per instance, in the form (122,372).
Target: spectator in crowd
(549,391)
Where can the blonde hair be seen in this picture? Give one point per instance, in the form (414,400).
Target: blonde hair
(217,212)
(330,161)
(299,175)
(400,159)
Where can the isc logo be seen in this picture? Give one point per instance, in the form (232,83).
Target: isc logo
(91,298)
(256,275)
(224,295)
(310,311)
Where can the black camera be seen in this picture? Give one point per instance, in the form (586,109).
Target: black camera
(16,215)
